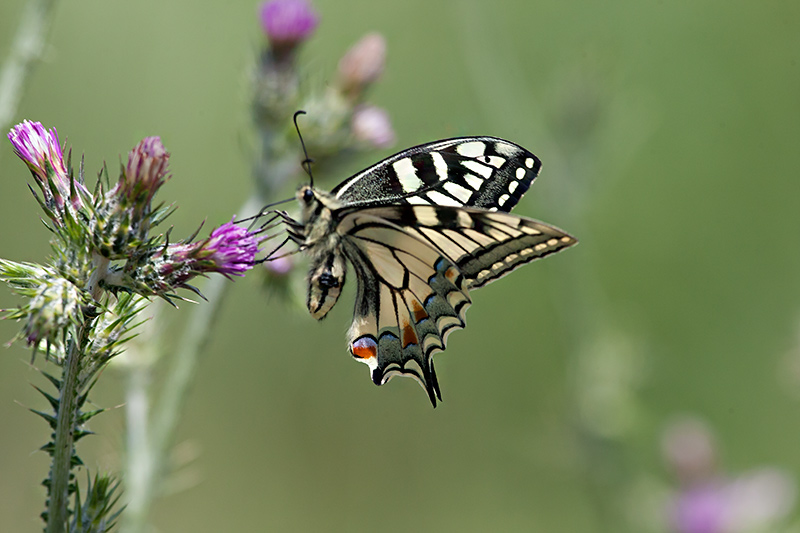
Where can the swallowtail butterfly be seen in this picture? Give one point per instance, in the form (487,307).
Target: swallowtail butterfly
(421,229)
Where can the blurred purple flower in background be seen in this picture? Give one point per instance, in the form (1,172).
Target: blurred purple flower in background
(338,121)
(371,125)
(363,64)
(708,501)
(287,23)
(280,266)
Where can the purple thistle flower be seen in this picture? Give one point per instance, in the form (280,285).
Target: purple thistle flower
(232,249)
(40,150)
(287,23)
(38,147)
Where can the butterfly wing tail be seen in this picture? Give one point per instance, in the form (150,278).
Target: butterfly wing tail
(404,314)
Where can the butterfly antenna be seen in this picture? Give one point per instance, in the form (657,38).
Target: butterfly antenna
(306,164)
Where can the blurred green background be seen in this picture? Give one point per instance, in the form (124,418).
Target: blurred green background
(669,133)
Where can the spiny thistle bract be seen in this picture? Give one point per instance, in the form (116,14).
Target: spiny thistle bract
(81,307)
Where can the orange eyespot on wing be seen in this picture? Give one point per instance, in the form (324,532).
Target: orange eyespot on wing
(364,348)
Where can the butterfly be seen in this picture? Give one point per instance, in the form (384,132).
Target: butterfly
(421,229)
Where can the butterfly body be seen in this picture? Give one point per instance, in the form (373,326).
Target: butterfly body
(420,229)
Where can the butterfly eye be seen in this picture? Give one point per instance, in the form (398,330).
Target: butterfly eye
(308,195)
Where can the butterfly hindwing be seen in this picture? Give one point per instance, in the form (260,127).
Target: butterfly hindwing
(410,296)
(481,172)
(415,266)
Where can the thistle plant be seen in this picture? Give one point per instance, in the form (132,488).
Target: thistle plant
(92,299)
(82,306)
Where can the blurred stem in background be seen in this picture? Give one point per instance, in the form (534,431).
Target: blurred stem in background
(27,47)
(338,123)
(150,433)
(606,367)
(607,364)
(589,107)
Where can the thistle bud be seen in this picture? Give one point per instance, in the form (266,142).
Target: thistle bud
(56,303)
(52,304)
(124,217)
(144,174)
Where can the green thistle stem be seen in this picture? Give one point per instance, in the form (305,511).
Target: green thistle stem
(148,456)
(67,416)
(64,441)
(184,365)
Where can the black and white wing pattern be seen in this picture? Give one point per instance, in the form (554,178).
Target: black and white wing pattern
(483,172)
(421,229)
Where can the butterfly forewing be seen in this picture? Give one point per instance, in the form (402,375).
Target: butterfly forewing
(483,246)
(482,172)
